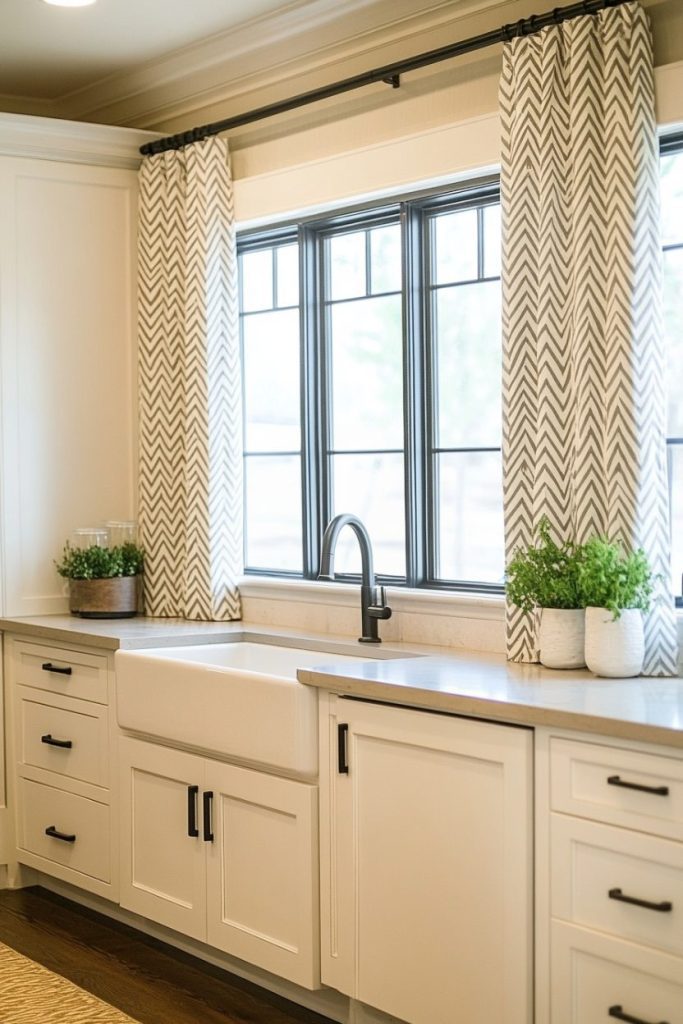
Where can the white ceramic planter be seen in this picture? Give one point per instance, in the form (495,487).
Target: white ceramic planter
(614,647)
(561,637)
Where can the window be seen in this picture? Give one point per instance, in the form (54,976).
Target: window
(372,364)
(372,378)
(672,236)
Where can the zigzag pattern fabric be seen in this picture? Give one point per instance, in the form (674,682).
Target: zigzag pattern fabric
(190,500)
(583,371)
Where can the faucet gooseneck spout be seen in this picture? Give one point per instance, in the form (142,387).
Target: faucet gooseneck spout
(372,598)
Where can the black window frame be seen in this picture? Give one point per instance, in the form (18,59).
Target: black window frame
(412,210)
(671,144)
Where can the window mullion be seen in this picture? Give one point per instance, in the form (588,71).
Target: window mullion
(413,396)
(325,380)
(432,497)
(310,403)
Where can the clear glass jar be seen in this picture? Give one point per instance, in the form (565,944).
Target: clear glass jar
(89,537)
(122,531)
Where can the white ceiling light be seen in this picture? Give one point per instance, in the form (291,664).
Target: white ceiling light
(69,3)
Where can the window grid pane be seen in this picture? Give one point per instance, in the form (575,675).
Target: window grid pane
(363,447)
(271,356)
(465,421)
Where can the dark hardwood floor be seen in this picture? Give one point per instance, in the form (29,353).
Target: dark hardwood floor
(152,982)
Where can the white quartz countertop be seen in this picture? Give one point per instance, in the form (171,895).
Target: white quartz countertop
(464,682)
(488,686)
(113,634)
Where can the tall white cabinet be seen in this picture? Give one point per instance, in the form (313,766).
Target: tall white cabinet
(68,215)
(426,863)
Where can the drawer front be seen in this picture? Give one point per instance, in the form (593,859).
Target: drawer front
(69,742)
(69,672)
(43,807)
(598,981)
(597,871)
(619,787)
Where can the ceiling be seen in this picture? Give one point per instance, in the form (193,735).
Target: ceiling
(49,52)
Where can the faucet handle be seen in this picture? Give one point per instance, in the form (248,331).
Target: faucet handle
(379,608)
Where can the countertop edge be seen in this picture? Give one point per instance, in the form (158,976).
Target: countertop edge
(509,712)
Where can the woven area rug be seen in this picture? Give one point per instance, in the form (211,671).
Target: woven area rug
(30,994)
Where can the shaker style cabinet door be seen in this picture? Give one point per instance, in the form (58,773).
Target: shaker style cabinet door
(262,871)
(162,860)
(426,864)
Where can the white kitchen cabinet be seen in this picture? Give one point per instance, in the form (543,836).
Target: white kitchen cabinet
(609,881)
(224,854)
(426,863)
(61,778)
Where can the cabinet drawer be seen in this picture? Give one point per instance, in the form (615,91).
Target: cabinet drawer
(594,980)
(43,807)
(70,672)
(45,730)
(590,861)
(620,787)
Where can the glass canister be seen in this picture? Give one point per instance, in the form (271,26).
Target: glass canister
(89,537)
(122,531)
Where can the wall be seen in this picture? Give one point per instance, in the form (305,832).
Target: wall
(68,206)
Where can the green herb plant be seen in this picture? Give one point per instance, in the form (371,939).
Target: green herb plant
(95,563)
(546,574)
(612,578)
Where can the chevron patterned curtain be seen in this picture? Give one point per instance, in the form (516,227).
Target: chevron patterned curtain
(583,378)
(190,499)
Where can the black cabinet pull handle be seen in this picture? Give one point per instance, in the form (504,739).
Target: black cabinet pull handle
(192,829)
(342,752)
(63,670)
(208,832)
(51,831)
(617,1011)
(66,744)
(616,780)
(664,906)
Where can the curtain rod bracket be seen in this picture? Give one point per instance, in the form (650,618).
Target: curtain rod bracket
(393,80)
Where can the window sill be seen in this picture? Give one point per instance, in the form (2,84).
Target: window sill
(404,599)
(401,599)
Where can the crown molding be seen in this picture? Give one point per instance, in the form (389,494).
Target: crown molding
(46,138)
(228,67)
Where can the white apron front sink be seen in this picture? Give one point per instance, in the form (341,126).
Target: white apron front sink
(240,700)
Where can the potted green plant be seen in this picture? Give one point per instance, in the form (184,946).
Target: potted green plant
(617,586)
(544,577)
(103,582)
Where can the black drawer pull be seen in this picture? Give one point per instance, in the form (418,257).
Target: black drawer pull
(617,1011)
(616,780)
(192,829)
(54,834)
(63,670)
(664,906)
(65,744)
(208,832)
(342,749)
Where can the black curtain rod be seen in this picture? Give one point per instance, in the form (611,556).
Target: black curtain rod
(389,74)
